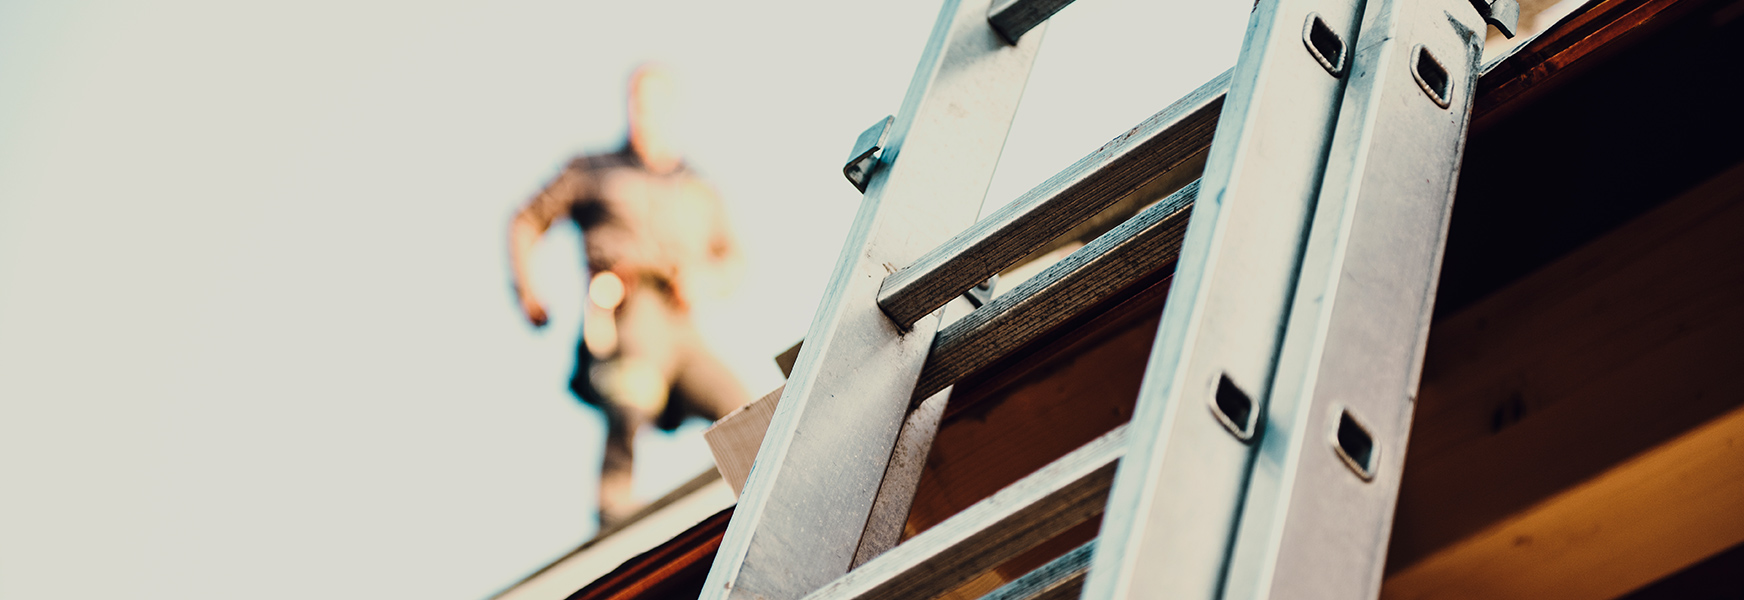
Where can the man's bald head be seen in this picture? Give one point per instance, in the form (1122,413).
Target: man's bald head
(653,115)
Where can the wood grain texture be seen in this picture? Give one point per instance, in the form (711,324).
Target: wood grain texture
(991,438)
(1061,579)
(735,439)
(1004,424)
(1144,247)
(673,569)
(1027,562)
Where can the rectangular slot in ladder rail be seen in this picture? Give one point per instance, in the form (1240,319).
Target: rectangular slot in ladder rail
(1155,147)
(1066,492)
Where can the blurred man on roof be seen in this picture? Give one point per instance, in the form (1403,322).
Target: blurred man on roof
(656,239)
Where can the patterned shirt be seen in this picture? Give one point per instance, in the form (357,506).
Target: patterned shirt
(639,224)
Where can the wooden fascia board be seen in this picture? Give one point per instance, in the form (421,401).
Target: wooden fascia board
(1642,520)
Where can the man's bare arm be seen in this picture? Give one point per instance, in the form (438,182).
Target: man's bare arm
(529,226)
(724,249)
(716,273)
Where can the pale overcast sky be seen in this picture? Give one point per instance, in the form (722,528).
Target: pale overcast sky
(256,334)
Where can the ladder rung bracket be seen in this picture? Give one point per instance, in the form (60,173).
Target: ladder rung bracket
(1013,18)
(1154,148)
(1144,244)
(1060,579)
(1059,496)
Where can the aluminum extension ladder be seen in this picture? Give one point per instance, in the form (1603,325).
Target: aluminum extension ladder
(1264,456)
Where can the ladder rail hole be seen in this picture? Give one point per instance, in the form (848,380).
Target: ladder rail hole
(1324,44)
(1431,76)
(1233,408)
(1355,445)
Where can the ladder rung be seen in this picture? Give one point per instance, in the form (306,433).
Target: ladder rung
(1150,150)
(1060,579)
(1144,244)
(1063,494)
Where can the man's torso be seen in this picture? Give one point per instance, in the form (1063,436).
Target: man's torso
(638,222)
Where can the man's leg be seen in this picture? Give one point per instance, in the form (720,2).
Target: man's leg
(616,502)
(634,385)
(703,383)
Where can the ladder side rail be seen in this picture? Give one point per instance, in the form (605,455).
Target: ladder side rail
(818,470)
(1060,579)
(1144,246)
(1172,514)
(1055,498)
(1159,145)
(1323,489)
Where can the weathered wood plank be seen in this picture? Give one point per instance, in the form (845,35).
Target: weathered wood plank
(1000,429)
(1145,246)
(735,438)
(1061,579)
